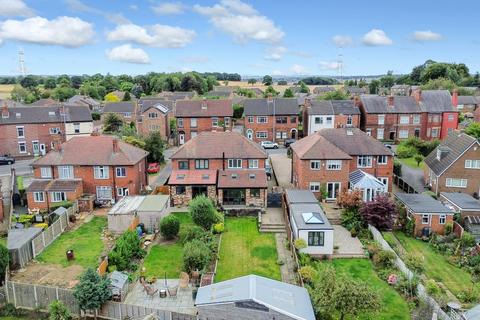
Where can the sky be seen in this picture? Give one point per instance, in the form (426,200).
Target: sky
(243,36)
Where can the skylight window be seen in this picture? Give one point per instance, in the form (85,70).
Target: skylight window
(312,218)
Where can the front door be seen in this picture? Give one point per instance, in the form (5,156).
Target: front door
(417,132)
(294,134)
(333,188)
(249,134)
(181,138)
(35,148)
(42,149)
(234,196)
(392,135)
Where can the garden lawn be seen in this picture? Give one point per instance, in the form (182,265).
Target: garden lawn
(244,250)
(394,307)
(86,243)
(3,241)
(437,266)
(412,163)
(167,257)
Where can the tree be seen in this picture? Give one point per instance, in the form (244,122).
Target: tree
(58,311)
(127,96)
(169,226)
(63,93)
(288,93)
(50,83)
(155,146)
(418,158)
(203,212)
(373,86)
(29,82)
(111,97)
(112,122)
(351,199)
(267,80)
(380,212)
(334,95)
(237,111)
(388,80)
(270,91)
(303,87)
(196,255)
(4,260)
(282,82)
(137,91)
(354,298)
(252,81)
(92,291)
(126,86)
(473,130)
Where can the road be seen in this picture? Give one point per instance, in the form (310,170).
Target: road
(163,175)
(22,167)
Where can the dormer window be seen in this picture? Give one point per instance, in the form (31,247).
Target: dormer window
(439,154)
(234,176)
(51,113)
(251,176)
(18,115)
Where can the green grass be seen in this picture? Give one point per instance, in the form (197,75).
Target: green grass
(20,183)
(437,266)
(412,163)
(85,242)
(394,307)
(245,251)
(3,241)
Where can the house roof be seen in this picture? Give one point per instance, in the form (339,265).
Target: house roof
(79,99)
(300,196)
(282,297)
(323,89)
(189,177)
(309,216)
(219,93)
(54,185)
(154,203)
(242,178)
(356,90)
(177,95)
(93,150)
(362,180)
(216,145)
(353,141)
(379,104)
(422,203)
(47,114)
(262,107)
(45,102)
(119,107)
(454,145)
(468,100)
(436,101)
(163,105)
(333,107)
(194,108)
(315,146)
(462,200)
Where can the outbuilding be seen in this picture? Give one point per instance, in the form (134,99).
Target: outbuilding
(462,203)
(151,211)
(19,245)
(124,213)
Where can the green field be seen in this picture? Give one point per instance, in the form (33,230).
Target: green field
(244,250)
(85,242)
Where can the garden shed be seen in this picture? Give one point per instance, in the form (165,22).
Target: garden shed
(151,210)
(124,214)
(19,245)
(118,285)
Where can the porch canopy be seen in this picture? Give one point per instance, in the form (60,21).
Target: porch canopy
(362,180)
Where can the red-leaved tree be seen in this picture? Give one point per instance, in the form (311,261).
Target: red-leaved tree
(351,199)
(381,212)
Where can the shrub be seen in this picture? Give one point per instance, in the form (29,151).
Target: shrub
(192,233)
(203,212)
(432,287)
(408,287)
(467,240)
(351,219)
(58,311)
(169,226)
(415,263)
(308,273)
(384,259)
(448,228)
(96,115)
(219,217)
(218,228)
(350,199)
(373,249)
(65,204)
(418,158)
(380,212)
(300,244)
(397,168)
(92,291)
(127,248)
(4,260)
(468,295)
(196,255)
(405,151)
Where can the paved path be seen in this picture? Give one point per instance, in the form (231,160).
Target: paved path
(414,177)
(164,174)
(287,269)
(282,167)
(348,247)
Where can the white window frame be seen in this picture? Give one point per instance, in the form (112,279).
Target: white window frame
(122,171)
(39,196)
(46,172)
(472,164)
(334,165)
(261,134)
(381,119)
(253,163)
(226,121)
(262,119)
(214,121)
(122,191)
(76,127)
(101,172)
(436,132)
(152,115)
(404,119)
(251,119)
(380,133)
(180,122)
(315,165)
(442,219)
(65,169)
(425,215)
(349,120)
(416,119)
(21,136)
(382,159)
(403,134)
(364,161)
(314,186)
(22,147)
(193,123)
(103,189)
(54,130)
(368,131)
(456,183)
(58,196)
(234,163)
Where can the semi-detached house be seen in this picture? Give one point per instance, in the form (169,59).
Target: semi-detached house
(326,114)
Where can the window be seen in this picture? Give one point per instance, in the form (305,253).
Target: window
(293,119)
(281,119)
(76,127)
(253,163)
(442,219)
(234,163)
(329,120)
(45,172)
(193,122)
(152,115)
(127,114)
(227,121)
(315,186)
(349,120)
(104,193)
(180,122)
(201,164)
(38,197)
(434,133)
(381,119)
(193,134)
(334,164)
(456,183)
(364,161)
(122,192)
(368,131)
(121,171)
(58,196)
(315,164)
(250,119)
(262,135)
(403,134)
(318,120)
(262,119)
(425,218)
(214,122)
(404,119)
(451,117)
(384,181)
(382,160)
(180,190)
(316,238)
(100,172)
(380,132)
(281,135)
(183,165)
(20,132)
(472,164)
(436,118)
(54,130)
(65,172)
(255,193)
(416,118)
(154,127)
(22,147)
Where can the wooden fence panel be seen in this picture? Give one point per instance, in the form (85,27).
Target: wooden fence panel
(25,295)
(45,296)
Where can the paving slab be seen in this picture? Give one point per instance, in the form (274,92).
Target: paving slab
(348,247)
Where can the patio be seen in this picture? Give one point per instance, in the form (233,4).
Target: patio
(182,303)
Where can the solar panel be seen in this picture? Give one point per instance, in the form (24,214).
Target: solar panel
(162,108)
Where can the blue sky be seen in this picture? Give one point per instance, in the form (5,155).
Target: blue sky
(249,37)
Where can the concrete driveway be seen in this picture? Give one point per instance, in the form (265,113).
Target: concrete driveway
(22,167)
(282,167)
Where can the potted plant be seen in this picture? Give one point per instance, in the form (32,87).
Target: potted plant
(323,193)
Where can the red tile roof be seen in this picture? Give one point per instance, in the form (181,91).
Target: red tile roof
(189,177)
(212,108)
(315,146)
(256,178)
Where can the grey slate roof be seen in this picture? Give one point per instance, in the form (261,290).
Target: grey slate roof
(356,90)
(119,107)
(83,100)
(284,298)
(462,200)
(319,90)
(328,107)
(221,94)
(21,115)
(353,141)
(436,101)
(455,144)
(379,104)
(300,196)
(468,100)
(422,203)
(298,209)
(147,103)
(261,107)
(177,95)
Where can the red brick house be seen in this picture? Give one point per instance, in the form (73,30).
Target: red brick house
(196,116)
(126,110)
(225,166)
(454,166)
(322,114)
(98,165)
(154,115)
(271,119)
(26,132)
(340,159)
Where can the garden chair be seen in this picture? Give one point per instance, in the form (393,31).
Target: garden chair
(172,291)
(150,291)
(184,280)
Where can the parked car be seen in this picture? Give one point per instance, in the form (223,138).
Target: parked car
(268,168)
(6,160)
(288,142)
(153,167)
(269,145)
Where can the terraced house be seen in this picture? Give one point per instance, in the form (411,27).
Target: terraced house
(102,166)
(322,114)
(271,119)
(225,166)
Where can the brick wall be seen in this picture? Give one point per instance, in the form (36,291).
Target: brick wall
(148,125)
(435,225)
(249,200)
(184,199)
(449,123)
(268,127)
(341,120)
(214,164)
(71,196)
(203,124)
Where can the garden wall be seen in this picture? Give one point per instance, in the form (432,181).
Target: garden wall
(421,291)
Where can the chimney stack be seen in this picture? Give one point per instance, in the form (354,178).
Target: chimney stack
(115,145)
(390,101)
(5,112)
(455,98)
(308,102)
(204,104)
(270,98)
(417,95)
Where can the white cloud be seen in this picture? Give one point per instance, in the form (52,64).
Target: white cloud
(79,6)
(15,8)
(376,37)
(195,59)
(117,18)
(422,36)
(157,35)
(329,65)
(302,54)
(126,53)
(275,53)
(342,41)
(241,21)
(298,69)
(167,8)
(276,73)
(63,31)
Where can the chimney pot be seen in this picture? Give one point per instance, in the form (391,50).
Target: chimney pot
(115,145)
(390,101)
(455,98)
(417,94)
(5,112)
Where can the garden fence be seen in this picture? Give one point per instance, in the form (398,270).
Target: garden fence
(290,238)
(421,291)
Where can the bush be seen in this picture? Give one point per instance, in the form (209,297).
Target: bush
(351,200)
(219,217)
(415,263)
(408,287)
(308,273)
(300,244)
(397,168)
(58,311)
(467,240)
(448,228)
(351,219)
(192,233)
(65,204)
(381,212)
(405,151)
(96,115)
(127,248)
(4,260)
(468,295)
(218,228)
(169,226)
(432,288)
(196,256)
(203,212)
(384,259)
